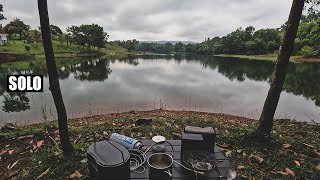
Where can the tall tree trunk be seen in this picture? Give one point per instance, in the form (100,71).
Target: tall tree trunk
(286,48)
(53,78)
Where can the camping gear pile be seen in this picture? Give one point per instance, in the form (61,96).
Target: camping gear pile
(119,155)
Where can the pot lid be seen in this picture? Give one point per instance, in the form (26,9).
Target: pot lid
(108,153)
(158,139)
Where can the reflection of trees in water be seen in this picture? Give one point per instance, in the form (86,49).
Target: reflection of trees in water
(302,79)
(15,102)
(93,70)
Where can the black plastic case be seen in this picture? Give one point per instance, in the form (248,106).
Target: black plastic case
(108,160)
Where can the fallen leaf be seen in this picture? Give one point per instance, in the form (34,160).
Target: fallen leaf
(105,133)
(25,172)
(258,158)
(139,134)
(57,153)
(284,173)
(286,146)
(27,136)
(40,143)
(308,145)
(297,163)
(240,167)
(43,174)
(11,151)
(291,172)
(12,165)
(76,174)
(228,153)
(85,160)
(3,152)
(225,146)
(318,167)
(316,152)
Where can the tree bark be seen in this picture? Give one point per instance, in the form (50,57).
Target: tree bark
(53,78)
(286,48)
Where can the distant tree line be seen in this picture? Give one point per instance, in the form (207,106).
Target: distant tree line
(247,41)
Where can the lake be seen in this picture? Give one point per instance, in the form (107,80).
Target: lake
(174,82)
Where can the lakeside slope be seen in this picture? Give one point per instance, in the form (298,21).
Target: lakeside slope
(294,146)
(270,57)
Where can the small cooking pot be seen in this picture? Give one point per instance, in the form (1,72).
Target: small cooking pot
(160,166)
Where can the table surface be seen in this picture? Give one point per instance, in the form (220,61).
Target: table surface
(178,172)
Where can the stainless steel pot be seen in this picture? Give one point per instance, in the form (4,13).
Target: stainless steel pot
(160,166)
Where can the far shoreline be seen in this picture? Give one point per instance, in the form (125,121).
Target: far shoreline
(271,57)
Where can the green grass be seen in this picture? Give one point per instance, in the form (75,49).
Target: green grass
(234,132)
(61,50)
(17,46)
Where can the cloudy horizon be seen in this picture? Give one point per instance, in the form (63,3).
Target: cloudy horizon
(188,20)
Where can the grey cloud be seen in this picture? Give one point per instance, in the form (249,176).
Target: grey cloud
(156,19)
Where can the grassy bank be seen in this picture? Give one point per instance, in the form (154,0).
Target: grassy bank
(294,147)
(61,50)
(17,46)
(270,57)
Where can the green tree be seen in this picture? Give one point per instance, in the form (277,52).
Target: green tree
(89,35)
(55,30)
(27,48)
(287,45)
(54,78)
(33,36)
(16,27)
(1,15)
(62,39)
(179,47)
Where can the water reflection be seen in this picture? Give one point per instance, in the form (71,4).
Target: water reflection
(189,82)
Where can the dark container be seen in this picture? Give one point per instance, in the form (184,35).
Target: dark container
(108,160)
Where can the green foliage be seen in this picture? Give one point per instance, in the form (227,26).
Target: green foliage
(179,47)
(55,30)
(33,36)
(241,41)
(62,39)
(27,48)
(16,27)
(1,10)
(307,42)
(88,35)
(155,48)
(308,51)
(130,45)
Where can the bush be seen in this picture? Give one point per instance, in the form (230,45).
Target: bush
(308,51)
(27,48)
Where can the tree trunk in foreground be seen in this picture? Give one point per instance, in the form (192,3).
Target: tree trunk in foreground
(286,48)
(53,78)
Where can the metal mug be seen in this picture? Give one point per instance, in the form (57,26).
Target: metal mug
(160,166)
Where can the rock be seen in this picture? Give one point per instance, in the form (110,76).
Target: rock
(9,126)
(143,121)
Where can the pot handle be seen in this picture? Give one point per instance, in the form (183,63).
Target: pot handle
(169,173)
(171,148)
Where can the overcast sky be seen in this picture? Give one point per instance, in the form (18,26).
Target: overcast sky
(156,19)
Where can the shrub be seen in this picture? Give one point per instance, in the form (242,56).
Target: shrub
(27,48)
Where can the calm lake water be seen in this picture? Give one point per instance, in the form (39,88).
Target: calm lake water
(194,83)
